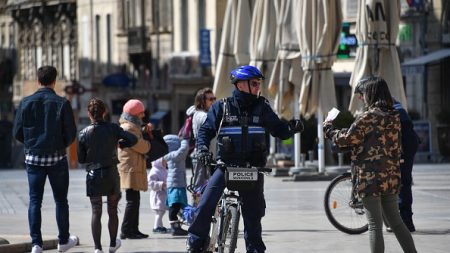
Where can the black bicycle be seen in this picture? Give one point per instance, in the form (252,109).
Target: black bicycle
(225,222)
(343,207)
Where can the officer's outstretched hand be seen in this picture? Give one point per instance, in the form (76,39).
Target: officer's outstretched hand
(205,157)
(296,125)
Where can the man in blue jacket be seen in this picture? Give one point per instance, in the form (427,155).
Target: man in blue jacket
(45,124)
(410,144)
(240,123)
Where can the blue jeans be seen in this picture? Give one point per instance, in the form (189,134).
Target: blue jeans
(58,175)
(253,209)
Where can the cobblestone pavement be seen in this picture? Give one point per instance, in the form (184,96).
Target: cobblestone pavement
(295,220)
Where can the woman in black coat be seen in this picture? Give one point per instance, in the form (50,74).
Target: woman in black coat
(97,150)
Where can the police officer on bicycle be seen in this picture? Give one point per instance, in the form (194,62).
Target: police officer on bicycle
(240,123)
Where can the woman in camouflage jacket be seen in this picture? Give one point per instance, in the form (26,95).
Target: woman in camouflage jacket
(375,143)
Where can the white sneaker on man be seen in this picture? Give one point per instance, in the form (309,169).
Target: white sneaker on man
(36,249)
(98,251)
(71,242)
(114,249)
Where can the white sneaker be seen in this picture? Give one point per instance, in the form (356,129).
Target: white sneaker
(114,249)
(36,249)
(72,241)
(98,251)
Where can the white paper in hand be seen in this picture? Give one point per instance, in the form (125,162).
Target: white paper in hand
(332,114)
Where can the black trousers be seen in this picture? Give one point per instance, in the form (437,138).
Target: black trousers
(130,221)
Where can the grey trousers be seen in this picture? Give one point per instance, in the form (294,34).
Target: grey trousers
(387,206)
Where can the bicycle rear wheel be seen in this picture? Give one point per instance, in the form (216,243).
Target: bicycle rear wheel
(345,215)
(230,230)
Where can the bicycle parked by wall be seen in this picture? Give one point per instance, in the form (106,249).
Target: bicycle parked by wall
(225,223)
(343,207)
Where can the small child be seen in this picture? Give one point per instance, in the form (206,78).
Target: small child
(158,193)
(176,180)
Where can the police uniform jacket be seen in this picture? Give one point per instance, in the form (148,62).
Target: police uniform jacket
(256,109)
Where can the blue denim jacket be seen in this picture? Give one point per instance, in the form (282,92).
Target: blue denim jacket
(44,123)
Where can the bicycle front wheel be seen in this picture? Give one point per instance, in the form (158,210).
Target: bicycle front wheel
(230,230)
(347,216)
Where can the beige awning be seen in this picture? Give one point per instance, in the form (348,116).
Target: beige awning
(428,58)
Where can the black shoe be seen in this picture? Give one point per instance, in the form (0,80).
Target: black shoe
(177,230)
(142,234)
(189,249)
(132,236)
(160,230)
(411,227)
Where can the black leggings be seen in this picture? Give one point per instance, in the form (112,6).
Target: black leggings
(130,222)
(113,222)
(173,211)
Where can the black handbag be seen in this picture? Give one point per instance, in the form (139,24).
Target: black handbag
(158,147)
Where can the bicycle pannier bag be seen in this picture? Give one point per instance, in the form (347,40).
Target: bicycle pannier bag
(241,179)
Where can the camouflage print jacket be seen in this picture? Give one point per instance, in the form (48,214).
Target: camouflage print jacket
(375,142)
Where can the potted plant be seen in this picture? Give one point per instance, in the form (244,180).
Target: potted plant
(443,131)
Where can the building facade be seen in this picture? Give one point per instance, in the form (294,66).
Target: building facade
(7,62)
(46,35)
(163,51)
(152,47)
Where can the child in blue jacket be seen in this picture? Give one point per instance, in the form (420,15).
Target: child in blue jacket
(176,180)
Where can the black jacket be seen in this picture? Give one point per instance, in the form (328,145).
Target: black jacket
(97,144)
(44,123)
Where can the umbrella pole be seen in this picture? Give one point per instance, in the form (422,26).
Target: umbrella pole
(273,143)
(297,141)
(271,157)
(320,147)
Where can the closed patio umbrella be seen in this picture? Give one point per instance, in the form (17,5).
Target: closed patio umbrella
(234,45)
(287,72)
(319,33)
(376,30)
(286,76)
(263,49)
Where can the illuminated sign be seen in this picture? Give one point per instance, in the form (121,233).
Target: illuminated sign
(348,42)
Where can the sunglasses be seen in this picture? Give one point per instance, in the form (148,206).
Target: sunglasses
(211,99)
(255,84)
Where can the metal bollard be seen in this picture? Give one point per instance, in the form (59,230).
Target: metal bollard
(302,159)
(311,155)
(340,159)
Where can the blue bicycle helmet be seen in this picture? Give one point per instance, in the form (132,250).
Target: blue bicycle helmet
(246,72)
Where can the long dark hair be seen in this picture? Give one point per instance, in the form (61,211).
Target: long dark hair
(96,108)
(200,98)
(376,92)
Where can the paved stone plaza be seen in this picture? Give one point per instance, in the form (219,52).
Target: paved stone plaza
(295,220)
